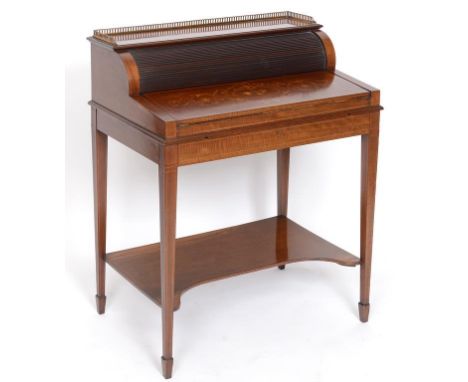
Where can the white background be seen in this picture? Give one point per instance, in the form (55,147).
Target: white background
(298,325)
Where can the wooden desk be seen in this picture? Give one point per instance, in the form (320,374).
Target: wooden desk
(191,92)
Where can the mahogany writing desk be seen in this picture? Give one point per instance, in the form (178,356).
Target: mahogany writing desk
(191,92)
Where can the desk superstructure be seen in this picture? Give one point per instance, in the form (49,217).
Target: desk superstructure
(197,91)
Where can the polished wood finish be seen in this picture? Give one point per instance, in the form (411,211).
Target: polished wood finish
(273,136)
(192,92)
(329,49)
(99,141)
(282,169)
(111,79)
(117,77)
(167,208)
(225,253)
(374,92)
(369,149)
(129,134)
(133,73)
(233,105)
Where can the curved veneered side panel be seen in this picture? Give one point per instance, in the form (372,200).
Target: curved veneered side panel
(133,73)
(330,50)
(183,65)
(114,81)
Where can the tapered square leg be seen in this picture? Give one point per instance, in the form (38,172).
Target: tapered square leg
(282,177)
(99,141)
(369,151)
(282,186)
(168,201)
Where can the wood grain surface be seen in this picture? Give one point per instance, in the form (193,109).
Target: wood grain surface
(226,253)
(192,92)
(233,99)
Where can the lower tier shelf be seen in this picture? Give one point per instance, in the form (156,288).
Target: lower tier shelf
(225,253)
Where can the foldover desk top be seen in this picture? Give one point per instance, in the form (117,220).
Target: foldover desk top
(270,99)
